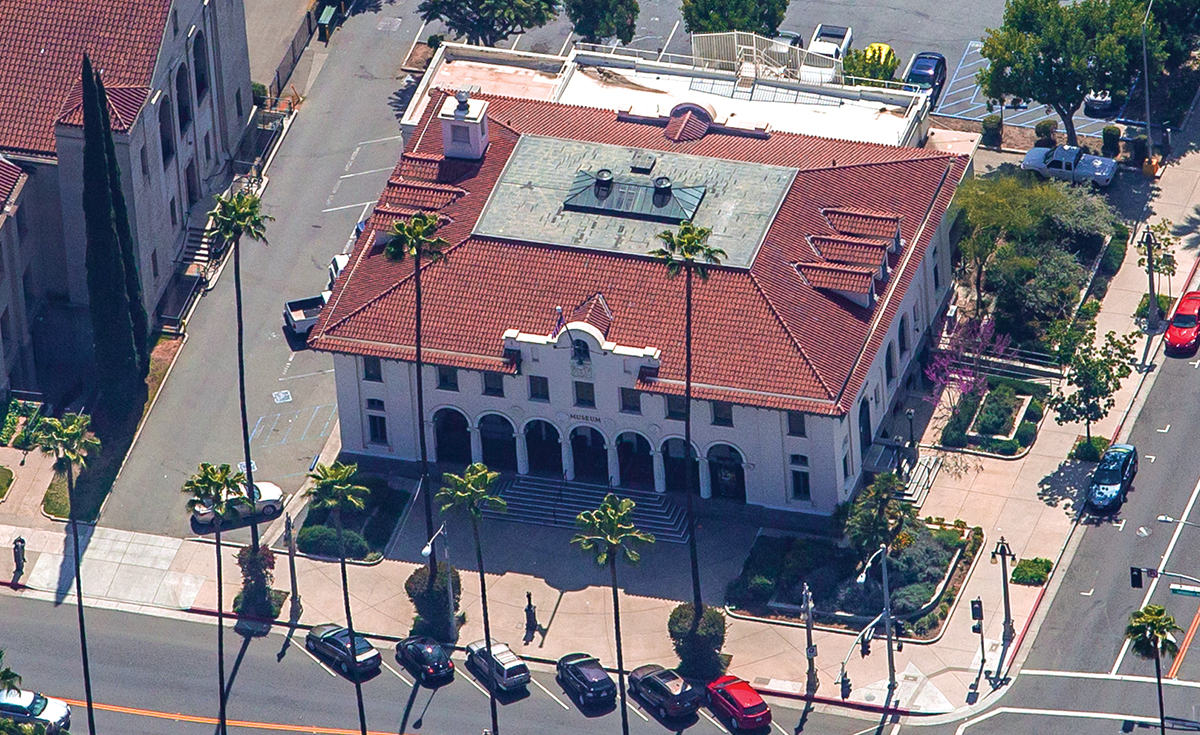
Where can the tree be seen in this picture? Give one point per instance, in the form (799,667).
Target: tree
(416,238)
(10,681)
(608,532)
(472,492)
(1150,631)
(878,514)
(236,216)
(334,490)
(688,250)
(139,322)
(1161,258)
(1095,372)
(488,22)
(112,331)
(871,63)
(1055,53)
(70,443)
(961,364)
(216,488)
(993,208)
(597,20)
(717,16)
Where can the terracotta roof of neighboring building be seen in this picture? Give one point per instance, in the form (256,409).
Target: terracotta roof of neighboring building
(10,176)
(594,311)
(686,126)
(41,51)
(851,251)
(837,277)
(124,103)
(763,335)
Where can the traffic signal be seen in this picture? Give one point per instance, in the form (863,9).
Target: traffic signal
(865,646)
(977,609)
(1135,577)
(845,687)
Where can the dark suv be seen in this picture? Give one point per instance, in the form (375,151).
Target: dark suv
(928,71)
(1113,478)
(665,690)
(584,677)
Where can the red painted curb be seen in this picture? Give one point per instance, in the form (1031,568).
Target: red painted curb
(849,704)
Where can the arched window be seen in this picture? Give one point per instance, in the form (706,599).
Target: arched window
(183,98)
(889,365)
(166,130)
(902,336)
(200,64)
(581,352)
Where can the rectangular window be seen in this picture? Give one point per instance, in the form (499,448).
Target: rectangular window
(447,378)
(676,408)
(460,134)
(722,413)
(798,460)
(154,262)
(800,487)
(174,214)
(237,102)
(493,384)
(207,148)
(374,404)
(846,466)
(796,423)
(631,401)
(377,429)
(539,388)
(585,395)
(6,331)
(372,369)
(145,161)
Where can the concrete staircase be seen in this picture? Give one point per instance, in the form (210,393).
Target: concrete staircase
(922,479)
(549,502)
(199,247)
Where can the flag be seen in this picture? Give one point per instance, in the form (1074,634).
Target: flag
(561,324)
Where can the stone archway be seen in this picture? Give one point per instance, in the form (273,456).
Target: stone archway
(727,474)
(499,443)
(591,455)
(543,446)
(451,438)
(675,467)
(635,462)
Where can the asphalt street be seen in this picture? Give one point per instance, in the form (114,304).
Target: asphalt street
(158,675)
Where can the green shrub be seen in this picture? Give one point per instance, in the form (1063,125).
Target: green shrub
(1139,150)
(699,651)
(954,437)
(993,131)
(1006,447)
(998,412)
(1045,129)
(6,478)
(258,92)
(435,40)
(1020,387)
(760,588)
(1143,309)
(1114,256)
(433,609)
(1036,411)
(323,541)
(1026,433)
(256,598)
(909,599)
(1111,147)
(924,626)
(1033,572)
(1085,452)
(737,592)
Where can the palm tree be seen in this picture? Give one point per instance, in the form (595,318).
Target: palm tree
(216,488)
(233,217)
(688,250)
(69,441)
(10,681)
(472,492)
(1150,631)
(416,238)
(607,532)
(334,490)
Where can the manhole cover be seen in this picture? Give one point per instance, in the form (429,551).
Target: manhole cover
(283,396)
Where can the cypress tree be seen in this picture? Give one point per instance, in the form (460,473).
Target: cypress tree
(133,281)
(112,332)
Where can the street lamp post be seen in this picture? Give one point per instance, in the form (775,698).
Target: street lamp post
(290,539)
(426,552)
(1002,554)
(887,609)
(1146,79)
(811,650)
(1152,301)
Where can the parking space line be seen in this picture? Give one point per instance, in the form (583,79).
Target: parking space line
(346,206)
(668,43)
(474,683)
(547,691)
(320,663)
(713,720)
(400,676)
(515,42)
(364,173)
(637,710)
(780,728)
(383,140)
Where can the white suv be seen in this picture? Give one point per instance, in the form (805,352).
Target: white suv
(509,672)
(269,504)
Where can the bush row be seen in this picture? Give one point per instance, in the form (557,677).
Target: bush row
(323,541)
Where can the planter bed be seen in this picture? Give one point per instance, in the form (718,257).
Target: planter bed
(962,428)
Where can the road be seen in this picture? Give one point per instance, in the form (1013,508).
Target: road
(167,669)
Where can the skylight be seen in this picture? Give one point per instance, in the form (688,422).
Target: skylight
(656,199)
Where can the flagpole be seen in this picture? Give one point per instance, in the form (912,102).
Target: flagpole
(561,326)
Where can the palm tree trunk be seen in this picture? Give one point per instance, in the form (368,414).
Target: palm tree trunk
(221,724)
(692,479)
(83,649)
(241,365)
(487,625)
(612,569)
(1162,714)
(362,712)
(426,490)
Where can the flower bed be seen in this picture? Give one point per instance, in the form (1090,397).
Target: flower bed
(367,532)
(1001,405)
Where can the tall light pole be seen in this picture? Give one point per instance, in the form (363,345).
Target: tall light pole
(811,650)
(1002,554)
(1152,300)
(887,609)
(427,552)
(1146,78)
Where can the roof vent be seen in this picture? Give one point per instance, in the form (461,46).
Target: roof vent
(464,98)
(604,179)
(642,163)
(662,190)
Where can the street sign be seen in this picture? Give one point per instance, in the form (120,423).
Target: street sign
(810,652)
(1185,589)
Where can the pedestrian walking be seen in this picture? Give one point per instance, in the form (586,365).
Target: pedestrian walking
(18,558)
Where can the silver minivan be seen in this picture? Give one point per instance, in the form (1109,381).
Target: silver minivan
(509,672)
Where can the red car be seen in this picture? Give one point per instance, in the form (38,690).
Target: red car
(1185,329)
(736,700)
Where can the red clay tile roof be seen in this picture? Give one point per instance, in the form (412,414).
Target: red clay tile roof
(594,311)
(124,104)
(686,126)
(837,277)
(851,251)
(10,175)
(41,49)
(764,336)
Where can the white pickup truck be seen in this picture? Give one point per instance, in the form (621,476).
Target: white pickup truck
(832,41)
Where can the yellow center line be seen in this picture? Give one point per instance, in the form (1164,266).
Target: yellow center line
(1183,649)
(213,720)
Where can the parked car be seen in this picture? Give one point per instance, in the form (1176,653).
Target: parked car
(1100,103)
(301,315)
(927,71)
(1070,163)
(269,505)
(1113,477)
(426,656)
(832,41)
(26,707)
(665,690)
(509,672)
(1184,330)
(737,701)
(330,641)
(784,39)
(583,677)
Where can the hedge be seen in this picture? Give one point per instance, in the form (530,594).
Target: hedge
(323,541)
(1033,572)
(432,606)
(699,651)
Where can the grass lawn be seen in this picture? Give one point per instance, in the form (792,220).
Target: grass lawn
(6,478)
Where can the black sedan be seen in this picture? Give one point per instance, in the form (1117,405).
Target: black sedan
(584,678)
(331,641)
(426,657)
(665,690)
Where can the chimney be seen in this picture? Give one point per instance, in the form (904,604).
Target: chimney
(662,190)
(464,126)
(604,179)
